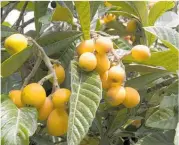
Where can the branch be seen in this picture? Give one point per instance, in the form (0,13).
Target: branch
(27,23)
(32,73)
(47,63)
(45,79)
(118,57)
(8,10)
(21,15)
(55,61)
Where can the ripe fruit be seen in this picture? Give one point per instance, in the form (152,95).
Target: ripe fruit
(104,80)
(45,109)
(140,52)
(60,97)
(103,45)
(116,74)
(57,122)
(60,73)
(103,63)
(116,95)
(87,61)
(33,94)
(132,98)
(131,26)
(15,43)
(86,46)
(15,96)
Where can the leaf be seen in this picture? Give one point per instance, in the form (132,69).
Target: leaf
(170,38)
(10,65)
(157,138)
(17,124)
(83,10)
(11,83)
(141,8)
(163,119)
(40,9)
(30,6)
(176,140)
(94,5)
(58,41)
(6,31)
(84,101)
(155,12)
(168,19)
(62,14)
(4,3)
(145,79)
(169,101)
(69,4)
(38,139)
(120,118)
(158,9)
(124,6)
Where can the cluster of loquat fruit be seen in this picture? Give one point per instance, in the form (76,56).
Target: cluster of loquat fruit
(93,56)
(51,108)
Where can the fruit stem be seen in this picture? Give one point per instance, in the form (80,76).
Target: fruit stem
(32,73)
(55,61)
(118,57)
(47,62)
(45,79)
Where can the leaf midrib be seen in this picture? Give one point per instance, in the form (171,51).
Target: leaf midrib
(76,101)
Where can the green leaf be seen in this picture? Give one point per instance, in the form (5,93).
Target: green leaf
(142,81)
(17,124)
(4,3)
(62,14)
(169,101)
(168,19)
(170,38)
(124,6)
(94,5)
(84,101)
(14,62)
(83,10)
(58,41)
(6,24)
(120,118)
(69,4)
(158,9)
(6,31)
(163,119)
(30,6)
(11,82)
(158,138)
(40,9)
(38,139)
(167,35)
(141,8)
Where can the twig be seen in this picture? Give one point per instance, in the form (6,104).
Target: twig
(21,15)
(45,79)
(32,73)
(47,63)
(8,10)
(119,57)
(27,23)
(55,61)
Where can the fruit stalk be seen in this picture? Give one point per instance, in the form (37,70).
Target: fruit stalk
(32,73)
(45,79)
(47,63)
(117,57)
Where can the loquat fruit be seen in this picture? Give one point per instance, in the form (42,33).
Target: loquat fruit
(86,46)
(104,80)
(131,26)
(57,122)
(140,52)
(15,96)
(33,94)
(60,97)
(45,109)
(103,45)
(132,98)
(87,61)
(116,95)
(15,43)
(103,63)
